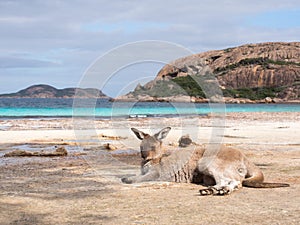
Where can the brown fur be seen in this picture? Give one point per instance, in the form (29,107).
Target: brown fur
(223,172)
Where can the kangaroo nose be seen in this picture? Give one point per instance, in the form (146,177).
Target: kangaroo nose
(144,154)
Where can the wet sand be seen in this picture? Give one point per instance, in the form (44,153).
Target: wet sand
(84,187)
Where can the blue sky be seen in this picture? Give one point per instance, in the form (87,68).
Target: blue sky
(277,19)
(55,41)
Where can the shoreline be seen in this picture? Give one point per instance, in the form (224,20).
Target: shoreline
(282,124)
(171,99)
(238,101)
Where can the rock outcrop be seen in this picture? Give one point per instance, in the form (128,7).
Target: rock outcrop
(253,72)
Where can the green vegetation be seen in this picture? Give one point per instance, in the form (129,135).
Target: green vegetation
(195,86)
(228,50)
(264,62)
(253,93)
(190,84)
(161,88)
(192,88)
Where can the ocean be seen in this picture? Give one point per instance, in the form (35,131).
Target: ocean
(103,108)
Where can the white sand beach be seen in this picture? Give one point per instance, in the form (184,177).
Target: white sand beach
(272,128)
(75,189)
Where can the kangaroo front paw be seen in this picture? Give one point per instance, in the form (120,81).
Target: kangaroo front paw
(126,180)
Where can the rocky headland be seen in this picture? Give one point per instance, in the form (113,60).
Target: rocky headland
(252,73)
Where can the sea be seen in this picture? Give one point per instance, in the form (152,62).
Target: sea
(103,108)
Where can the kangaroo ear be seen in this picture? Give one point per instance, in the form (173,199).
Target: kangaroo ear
(140,135)
(162,134)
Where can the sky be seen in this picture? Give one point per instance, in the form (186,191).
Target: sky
(55,42)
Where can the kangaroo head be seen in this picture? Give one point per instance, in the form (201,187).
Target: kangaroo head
(151,146)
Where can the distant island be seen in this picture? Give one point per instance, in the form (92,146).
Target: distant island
(252,73)
(47,91)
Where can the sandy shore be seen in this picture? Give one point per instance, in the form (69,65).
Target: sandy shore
(85,187)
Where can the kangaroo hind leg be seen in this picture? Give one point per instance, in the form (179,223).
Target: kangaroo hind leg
(223,185)
(224,189)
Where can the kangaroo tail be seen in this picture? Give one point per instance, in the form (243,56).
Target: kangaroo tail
(256,180)
(253,184)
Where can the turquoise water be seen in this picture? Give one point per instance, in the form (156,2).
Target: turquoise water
(104,108)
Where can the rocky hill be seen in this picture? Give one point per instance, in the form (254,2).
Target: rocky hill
(46,91)
(253,72)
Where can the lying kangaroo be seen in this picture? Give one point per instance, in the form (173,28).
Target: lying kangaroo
(224,172)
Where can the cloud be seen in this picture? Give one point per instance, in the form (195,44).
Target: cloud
(68,35)
(100,25)
(15,62)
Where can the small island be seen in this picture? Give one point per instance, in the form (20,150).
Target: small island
(47,91)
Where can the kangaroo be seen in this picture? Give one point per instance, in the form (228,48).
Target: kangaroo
(225,171)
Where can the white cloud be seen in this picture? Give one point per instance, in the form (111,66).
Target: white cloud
(75,32)
(17,62)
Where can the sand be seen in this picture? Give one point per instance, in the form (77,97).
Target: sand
(84,187)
